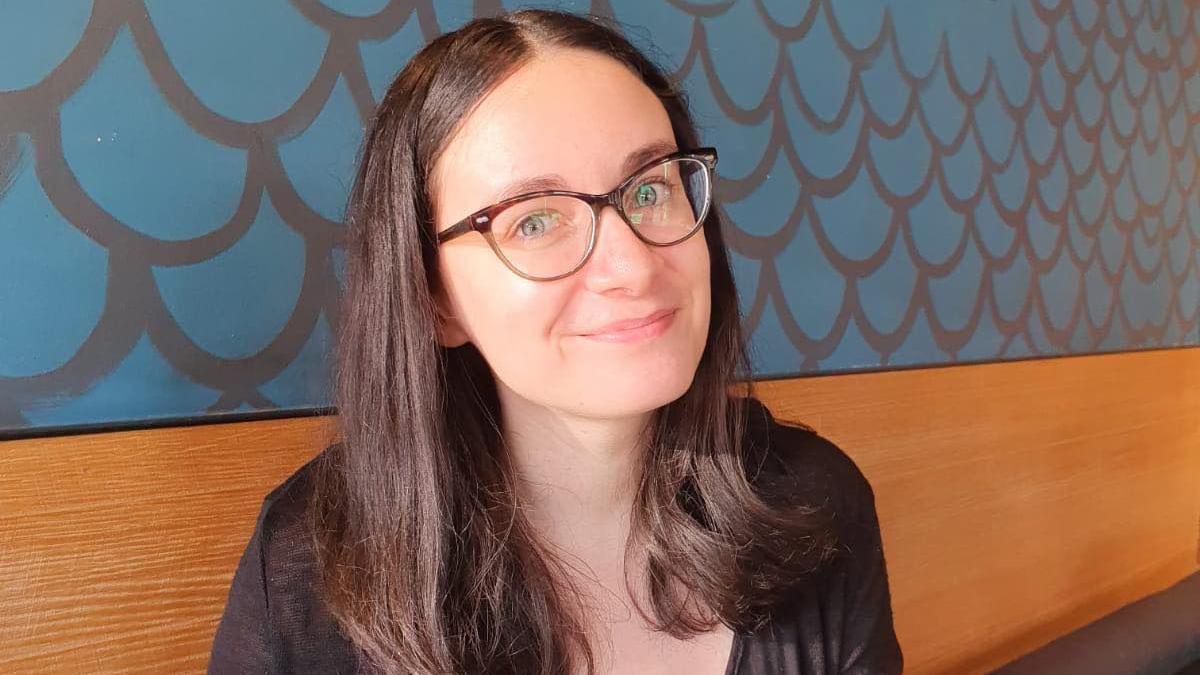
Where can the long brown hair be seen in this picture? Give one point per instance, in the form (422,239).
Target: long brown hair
(424,556)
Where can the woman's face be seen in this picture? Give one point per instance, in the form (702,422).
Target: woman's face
(580,120)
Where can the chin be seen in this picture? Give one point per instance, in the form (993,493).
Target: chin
(638,391)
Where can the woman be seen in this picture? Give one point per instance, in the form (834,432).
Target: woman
(541,468)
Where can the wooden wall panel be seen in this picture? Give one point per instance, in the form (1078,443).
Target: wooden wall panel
(116,550)
(1017,500)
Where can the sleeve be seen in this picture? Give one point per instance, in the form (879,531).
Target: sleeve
(243,642)
(868,644)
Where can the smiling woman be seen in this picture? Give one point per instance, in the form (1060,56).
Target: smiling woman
(542,469)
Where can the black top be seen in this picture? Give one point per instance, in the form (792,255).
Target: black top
(273,622)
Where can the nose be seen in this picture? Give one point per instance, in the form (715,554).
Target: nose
(620,262)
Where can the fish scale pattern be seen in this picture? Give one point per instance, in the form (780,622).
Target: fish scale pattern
(903,183)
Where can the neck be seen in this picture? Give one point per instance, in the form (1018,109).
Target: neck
(576,475)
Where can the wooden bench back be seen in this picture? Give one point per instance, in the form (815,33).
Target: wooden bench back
(1018,501)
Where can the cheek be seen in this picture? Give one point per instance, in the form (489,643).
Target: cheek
(692,262)
(696,274)
(507,318)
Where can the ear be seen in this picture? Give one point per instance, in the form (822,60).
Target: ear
(450,331)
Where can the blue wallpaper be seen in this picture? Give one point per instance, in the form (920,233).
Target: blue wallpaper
(906,183)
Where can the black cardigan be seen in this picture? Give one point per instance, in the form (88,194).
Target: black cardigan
(273,622)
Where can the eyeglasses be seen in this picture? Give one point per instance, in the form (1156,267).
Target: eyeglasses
(550,234)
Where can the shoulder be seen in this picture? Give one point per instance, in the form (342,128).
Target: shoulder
(793,460)
(285,536)
(306,633)
(284,527)
(850,608)
(282,517)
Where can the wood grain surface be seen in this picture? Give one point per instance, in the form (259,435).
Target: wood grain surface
(1017,501)
(117,549)
(1021,500)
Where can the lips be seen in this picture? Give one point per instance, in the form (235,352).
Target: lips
(626,325)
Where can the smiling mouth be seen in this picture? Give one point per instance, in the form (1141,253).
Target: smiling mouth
(641,329)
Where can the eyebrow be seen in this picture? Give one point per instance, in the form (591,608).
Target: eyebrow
(553,181)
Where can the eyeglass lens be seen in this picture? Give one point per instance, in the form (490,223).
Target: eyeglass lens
(546,237)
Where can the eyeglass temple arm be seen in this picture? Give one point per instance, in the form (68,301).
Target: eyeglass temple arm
(462,227)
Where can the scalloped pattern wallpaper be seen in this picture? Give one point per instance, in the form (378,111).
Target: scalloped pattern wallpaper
(905,183)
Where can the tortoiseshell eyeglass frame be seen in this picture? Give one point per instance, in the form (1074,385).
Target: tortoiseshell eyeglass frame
(481,220)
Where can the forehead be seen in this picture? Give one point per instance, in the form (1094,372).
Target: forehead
(570,113)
